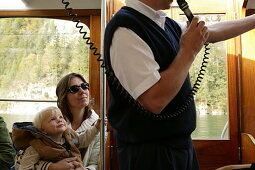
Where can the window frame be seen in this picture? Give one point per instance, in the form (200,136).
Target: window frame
(91,18)
(213,154)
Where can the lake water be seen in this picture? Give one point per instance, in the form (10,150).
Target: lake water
(208,126)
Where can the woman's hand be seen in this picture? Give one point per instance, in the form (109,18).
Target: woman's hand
(78,166)
(65,164)
(97,125)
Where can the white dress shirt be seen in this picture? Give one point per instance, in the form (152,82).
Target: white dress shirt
(131,58)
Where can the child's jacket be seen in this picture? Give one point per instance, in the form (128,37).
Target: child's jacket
(39,146)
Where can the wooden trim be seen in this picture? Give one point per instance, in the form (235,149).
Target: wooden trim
(250,12)
(245,3)
(90,17)
(82,15)
(94,69)
(216,153)
(247,75)
(213,154)
(49,13)
(112,7)
(248,148)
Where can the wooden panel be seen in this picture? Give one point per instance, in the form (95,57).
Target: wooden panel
(248,83)
(250,12)
(94,69)
(112,7)
(111,162)
(83,15)
(245,3)
(118,5)
(213,154)
(248,148)
(217,153)
(48,13)
(111,152)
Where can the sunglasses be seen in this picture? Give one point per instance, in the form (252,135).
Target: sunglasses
(76,88)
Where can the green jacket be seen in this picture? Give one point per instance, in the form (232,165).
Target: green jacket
(7,151)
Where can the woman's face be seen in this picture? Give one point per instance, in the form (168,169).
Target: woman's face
(79,99)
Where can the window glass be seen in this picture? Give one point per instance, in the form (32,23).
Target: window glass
(35,53)
(212,96)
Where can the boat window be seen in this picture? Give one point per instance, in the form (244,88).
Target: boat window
(35,53)
(212,97)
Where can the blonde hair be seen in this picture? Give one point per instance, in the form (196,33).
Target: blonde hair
(41,115)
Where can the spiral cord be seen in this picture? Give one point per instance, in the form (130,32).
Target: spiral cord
(114,82)
(121,92)
(202,70)
(84,33)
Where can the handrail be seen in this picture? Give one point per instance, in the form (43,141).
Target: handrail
(223,133)
(102,90)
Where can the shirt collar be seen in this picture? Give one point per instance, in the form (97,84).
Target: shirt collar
(159,17)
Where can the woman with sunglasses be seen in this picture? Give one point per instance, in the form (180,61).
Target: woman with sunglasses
(73,100)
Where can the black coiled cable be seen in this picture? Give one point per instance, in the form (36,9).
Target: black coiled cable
(114,82)
(202,70)
(84,33)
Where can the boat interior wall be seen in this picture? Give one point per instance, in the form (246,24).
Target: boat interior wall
(48,4)
(251,4)
(248,148)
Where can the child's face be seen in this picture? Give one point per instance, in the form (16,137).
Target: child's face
(54,124)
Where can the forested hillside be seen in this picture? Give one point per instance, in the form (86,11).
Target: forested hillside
(212,95)
(35,53)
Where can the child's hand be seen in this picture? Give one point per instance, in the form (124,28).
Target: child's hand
(98,123)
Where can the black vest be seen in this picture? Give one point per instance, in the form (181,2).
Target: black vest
(131,126)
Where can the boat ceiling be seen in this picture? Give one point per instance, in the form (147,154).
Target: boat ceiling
(76,4)
(49,4)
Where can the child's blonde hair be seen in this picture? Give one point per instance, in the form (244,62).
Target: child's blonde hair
(40,116)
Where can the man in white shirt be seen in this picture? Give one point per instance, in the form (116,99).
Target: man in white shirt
(148,57)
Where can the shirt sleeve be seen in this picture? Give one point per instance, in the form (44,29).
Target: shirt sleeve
(133,62)
(21,162)
(91,158)
(94,158)
(87,137)
(27,159)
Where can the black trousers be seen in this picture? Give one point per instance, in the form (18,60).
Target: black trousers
(156,157)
